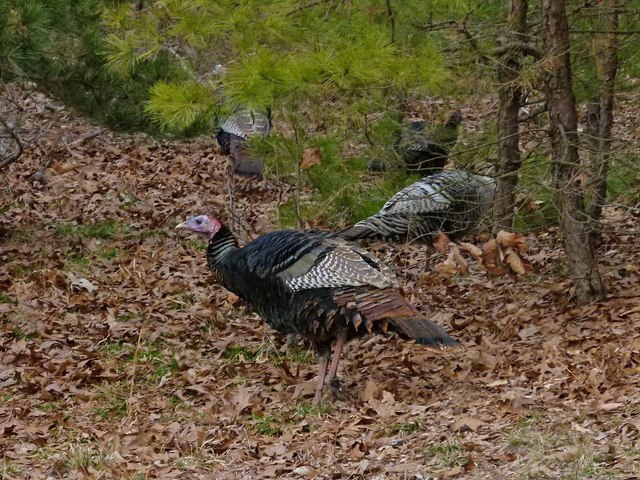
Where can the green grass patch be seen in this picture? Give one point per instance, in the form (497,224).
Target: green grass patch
(541,441)
(21,334)
(127,317)
(148,233)
(5,397)
(165,368)
(273,424)
(77,262)
(269,425)
(4,298)
(113,402)
(9,469)
(109,253)
(401,428)
(82,457)
(298,355)
(105,229)
(235,353)
(304,409)
(447,454)
(116,349)
(50,406)
(153,361)
(197,244)
(183,300)
(129,201)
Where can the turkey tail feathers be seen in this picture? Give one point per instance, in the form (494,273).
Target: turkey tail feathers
(355,232)
(424,331)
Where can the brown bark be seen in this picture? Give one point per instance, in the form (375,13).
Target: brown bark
(574,222)
(510,100)
(606,59)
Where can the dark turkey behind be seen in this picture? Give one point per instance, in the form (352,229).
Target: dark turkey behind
(310,284)
(424,147)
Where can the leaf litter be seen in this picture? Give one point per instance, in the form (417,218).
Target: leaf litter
(119,358)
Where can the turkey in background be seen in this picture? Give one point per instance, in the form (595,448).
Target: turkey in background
(424,147)
(310,284)
(233,134)
(453,202)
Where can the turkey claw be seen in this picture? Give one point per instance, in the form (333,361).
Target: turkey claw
(335,386)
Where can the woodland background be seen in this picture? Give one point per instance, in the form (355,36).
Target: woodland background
(119,358)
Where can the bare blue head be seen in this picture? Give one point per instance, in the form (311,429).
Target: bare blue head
(201,224)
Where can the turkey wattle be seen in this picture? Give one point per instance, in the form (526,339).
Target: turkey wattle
(310,284)
(452,202)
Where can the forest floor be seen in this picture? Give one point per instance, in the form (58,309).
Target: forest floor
(120,359)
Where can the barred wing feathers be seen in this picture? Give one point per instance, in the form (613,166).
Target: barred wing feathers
(452,202)
(316,269)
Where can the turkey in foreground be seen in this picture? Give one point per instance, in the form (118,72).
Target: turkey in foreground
(424,147)
(233,134)
(319,287)
(452,202)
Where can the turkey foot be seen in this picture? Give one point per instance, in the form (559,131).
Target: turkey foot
(335,385)
(337,390)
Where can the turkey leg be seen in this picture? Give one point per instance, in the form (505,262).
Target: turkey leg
(323,360)
(334,382)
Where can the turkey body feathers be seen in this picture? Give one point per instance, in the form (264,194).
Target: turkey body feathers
(308,284)
(452,202)
(233,134)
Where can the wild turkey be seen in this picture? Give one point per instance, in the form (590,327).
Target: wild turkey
(452,202)
(319,287)
(424,147)
(233,134)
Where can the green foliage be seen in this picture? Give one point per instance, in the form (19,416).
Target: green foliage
(179,105)
(536,208)
(59,44)
(624,179)
(277,56)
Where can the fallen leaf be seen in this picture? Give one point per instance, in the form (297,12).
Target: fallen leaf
(514,261)
(370,392)
(472,250)
(441,242)
(528,332)
(511,239)
(464,424)
(452,472)
(609,407)
(310,158)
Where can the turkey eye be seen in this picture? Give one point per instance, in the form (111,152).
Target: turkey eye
(198,221)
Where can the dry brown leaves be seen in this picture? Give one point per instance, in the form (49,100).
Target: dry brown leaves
(310,158)
(505,254)
(120,359)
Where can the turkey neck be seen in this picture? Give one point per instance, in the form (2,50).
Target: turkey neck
(221,246)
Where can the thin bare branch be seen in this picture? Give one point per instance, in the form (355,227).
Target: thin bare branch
(8,161)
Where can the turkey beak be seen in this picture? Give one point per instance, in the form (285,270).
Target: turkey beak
(182,225)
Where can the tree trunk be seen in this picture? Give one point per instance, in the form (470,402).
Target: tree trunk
(606,60)
(510,100)
(574,222)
